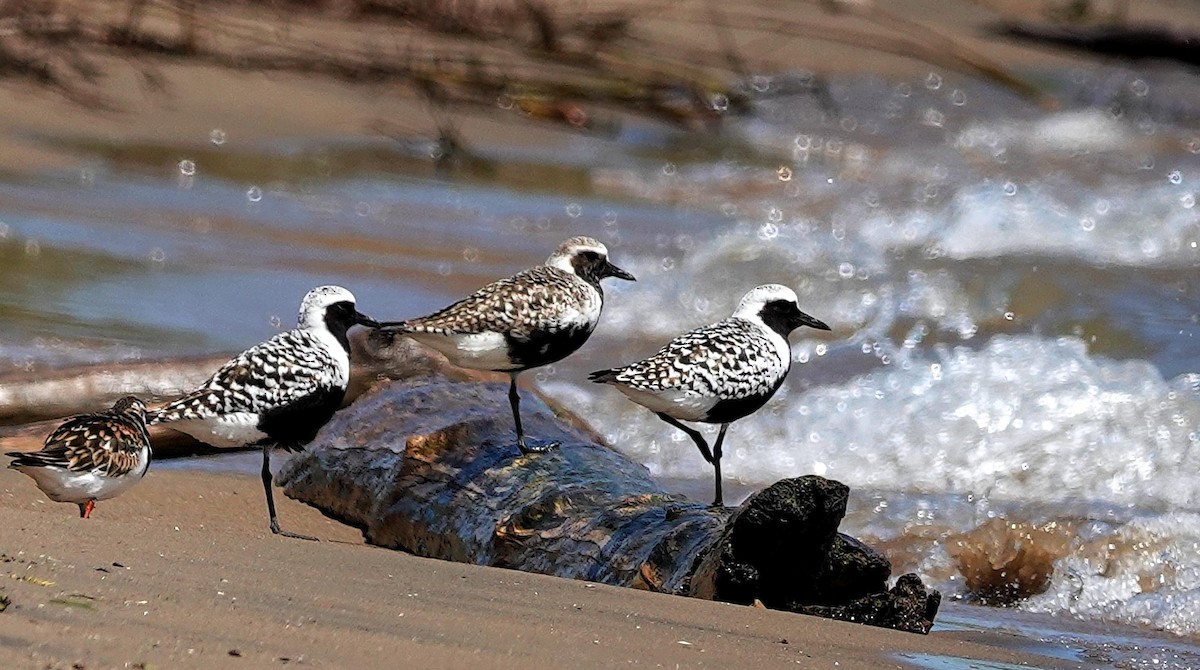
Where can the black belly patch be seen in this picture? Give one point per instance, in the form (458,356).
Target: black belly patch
(543,347)
(726,411)
(296,424)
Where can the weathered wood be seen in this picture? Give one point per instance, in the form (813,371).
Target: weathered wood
(33,403)
(58,392)
(167,443)
(428,465)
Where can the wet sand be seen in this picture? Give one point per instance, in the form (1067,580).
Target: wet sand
(182,572)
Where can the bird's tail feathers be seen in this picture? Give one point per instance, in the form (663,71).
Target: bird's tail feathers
(178,410)
(603,376)
(398,326)
(25,459)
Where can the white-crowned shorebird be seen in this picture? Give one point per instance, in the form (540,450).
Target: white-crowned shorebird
(91,457)
(531,319)
(278,393)
(718,373)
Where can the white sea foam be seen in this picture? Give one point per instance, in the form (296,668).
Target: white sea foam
(1023,418)
(1147,572)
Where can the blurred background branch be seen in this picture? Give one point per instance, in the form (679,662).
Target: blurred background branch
(554,61)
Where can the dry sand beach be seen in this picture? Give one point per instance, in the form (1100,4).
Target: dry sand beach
(182,572)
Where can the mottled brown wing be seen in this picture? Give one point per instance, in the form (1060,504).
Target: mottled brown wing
(94,442)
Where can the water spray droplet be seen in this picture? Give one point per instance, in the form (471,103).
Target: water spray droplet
(187,167)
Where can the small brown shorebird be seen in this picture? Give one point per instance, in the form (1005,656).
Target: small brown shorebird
(91,457)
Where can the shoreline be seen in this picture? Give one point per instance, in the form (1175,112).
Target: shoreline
(182,572)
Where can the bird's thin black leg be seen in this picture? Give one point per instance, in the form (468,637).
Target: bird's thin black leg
(718,502)
(530,446)
(701,444)
(266,478)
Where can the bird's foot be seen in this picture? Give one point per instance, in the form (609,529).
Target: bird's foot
(535,446)
(285,533)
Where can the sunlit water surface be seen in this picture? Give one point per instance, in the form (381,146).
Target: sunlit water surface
(1015,295)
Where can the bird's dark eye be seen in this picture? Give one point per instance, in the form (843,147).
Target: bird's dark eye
(590,256)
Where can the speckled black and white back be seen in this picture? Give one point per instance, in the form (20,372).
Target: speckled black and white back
(302,372)
(717,373)
(533,318)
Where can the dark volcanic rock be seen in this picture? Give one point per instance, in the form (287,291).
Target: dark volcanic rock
(851,570)
(776,545)
(909,606)
(782,548)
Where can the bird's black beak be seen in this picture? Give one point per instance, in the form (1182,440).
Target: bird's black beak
(802,319)
(364,320)
(610,270)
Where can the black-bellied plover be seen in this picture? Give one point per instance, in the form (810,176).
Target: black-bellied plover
(531,319)
(278,393)
(91,457)
(718,373)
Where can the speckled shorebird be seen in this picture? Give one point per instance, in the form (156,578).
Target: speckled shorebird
(719,373)
(531,319)
(278,393)
(91,457)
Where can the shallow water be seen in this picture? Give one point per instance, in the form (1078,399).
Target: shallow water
(1014,295)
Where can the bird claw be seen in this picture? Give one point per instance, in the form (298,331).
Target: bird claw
(286,533)
(536,446)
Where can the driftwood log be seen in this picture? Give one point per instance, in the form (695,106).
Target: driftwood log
(34,402)
(427,464)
